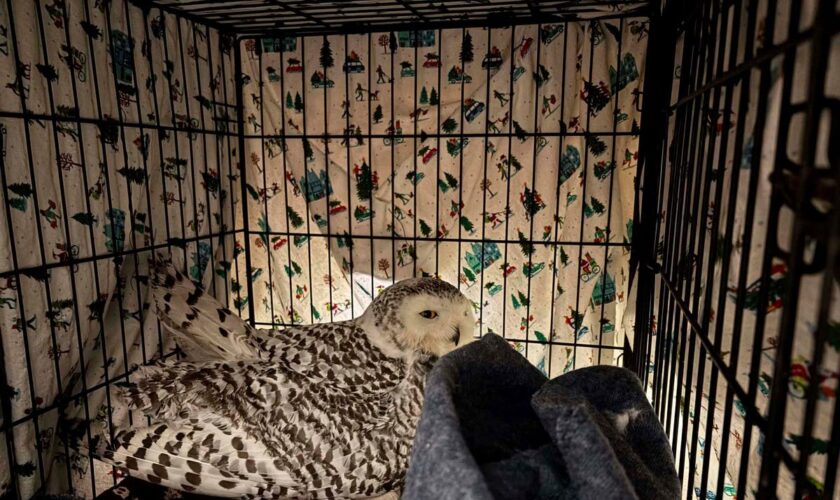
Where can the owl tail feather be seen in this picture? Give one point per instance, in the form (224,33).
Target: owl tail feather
(197,456)
(173,471)
(204,328)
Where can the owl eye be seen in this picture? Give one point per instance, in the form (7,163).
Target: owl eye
(429,314)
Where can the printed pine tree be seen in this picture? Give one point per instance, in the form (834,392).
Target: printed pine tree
(467,225)
(818,446)
(541,75)
(425,229)
(615,32)
(466,49)
(133,174)
(424,96)
(451,180)
(223,269)
(364,182)
(596,97)
(392,42)
(345,241)
(576,318)
(298,102)
(377,114)
(413,177)
(596,146)
(597,206)
(326,54)
(294,270)
(519,131)
(24,191)
(433,97)
(252,191)
(205,102)
(468,274)
(449,125)
(564,257)
(48,70)
(519,300)
(515,164)
(531,201)
(26,469)
(239,302)
(833,337)
(307,151)
(294,218)
(86,218)
(526,246)
(262,222)
(455,208)
(587,210)
(211,182)
(91,30)
(290,103)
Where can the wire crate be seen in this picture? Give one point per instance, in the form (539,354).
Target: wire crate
(644,184)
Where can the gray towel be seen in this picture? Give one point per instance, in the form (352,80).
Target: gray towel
(494,427)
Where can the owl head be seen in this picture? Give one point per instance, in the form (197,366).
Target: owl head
(419,316)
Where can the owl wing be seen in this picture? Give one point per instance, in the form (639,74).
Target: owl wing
(205,329)
(242,428)
(206,455)
(208,331)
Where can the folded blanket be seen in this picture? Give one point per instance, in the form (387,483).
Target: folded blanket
(494,427)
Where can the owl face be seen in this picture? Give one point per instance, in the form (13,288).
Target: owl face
(421,316)
(436,325)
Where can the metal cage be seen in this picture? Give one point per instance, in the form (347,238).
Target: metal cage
(703,67)
(702,160)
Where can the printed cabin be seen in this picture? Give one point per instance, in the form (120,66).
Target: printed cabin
(482,255)
(604,291)
(422,38)
(315,186)
(275,44)
(122,48)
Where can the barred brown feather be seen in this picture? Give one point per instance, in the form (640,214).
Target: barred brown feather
(318,411)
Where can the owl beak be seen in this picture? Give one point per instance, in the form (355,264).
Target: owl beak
(456,338)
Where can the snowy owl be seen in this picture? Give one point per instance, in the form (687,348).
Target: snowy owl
(317,411)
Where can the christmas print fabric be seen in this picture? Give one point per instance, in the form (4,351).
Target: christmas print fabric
(499,159)
(140,155)
(755,363)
